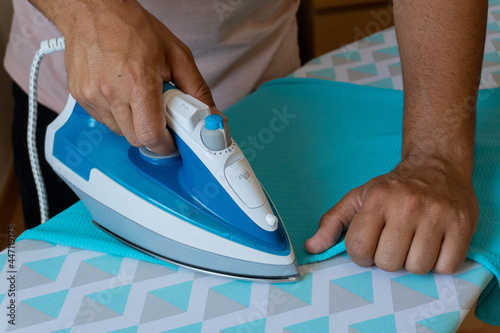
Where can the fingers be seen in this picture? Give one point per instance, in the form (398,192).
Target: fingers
(453,252)
(188,78)
(123,116)
(105,118)
(150,122)
(120,86)
(91,111)
(424,249)
(362,237)
(215,110)
(422,221)
(393,246)
(334,222)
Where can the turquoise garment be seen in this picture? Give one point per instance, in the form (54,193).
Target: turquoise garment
(310,142)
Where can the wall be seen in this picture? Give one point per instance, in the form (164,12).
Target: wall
(326,25)
(5,95)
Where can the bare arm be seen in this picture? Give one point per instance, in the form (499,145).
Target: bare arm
(422,215)
(441,45)
(117,57)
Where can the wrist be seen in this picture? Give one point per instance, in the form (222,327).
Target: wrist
(426,163)
(441,136)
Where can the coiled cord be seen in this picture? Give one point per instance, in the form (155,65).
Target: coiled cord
(46,47)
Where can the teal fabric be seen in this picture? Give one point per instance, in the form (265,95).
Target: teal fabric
(488,304)
(74,227)
(310,142)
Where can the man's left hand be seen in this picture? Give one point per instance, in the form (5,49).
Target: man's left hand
(418,217)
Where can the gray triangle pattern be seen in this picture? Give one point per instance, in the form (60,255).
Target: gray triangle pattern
(146,270)
(487,63)
(364,44)
(218,305)
(467,293)
(342,299)
(496,44)
(288,302)
(378,56)
(339,61)
(88,274)
(91,311)
(27,278)
(423,329)
(316,76)
(198,275)
(395,70)
(352,330)
(156,308)
(404,298)
(335,261)
(355,75)
(496,77)
(74,249)
(28,316)
(31,245)
(496,16)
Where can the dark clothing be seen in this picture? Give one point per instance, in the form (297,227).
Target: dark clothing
(60,196)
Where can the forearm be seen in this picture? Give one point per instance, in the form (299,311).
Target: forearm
(70,14)
(441,45)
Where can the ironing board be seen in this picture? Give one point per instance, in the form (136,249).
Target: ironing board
(98,292)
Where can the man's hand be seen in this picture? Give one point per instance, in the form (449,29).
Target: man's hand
(417,216)
(117,57)
(423,213)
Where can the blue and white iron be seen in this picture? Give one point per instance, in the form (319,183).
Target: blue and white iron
(202,207)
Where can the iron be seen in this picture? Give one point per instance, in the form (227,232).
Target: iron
(202,207)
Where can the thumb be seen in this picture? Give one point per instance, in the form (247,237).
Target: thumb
(334,221)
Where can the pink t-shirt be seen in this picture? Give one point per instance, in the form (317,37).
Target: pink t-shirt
(237,44)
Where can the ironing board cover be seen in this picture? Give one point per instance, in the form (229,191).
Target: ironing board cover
(310,141)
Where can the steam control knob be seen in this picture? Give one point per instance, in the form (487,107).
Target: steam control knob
(272,220)
(215,133)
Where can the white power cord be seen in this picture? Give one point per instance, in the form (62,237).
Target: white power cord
(46,47)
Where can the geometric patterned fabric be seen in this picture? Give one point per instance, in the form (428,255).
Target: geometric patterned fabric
(333,295)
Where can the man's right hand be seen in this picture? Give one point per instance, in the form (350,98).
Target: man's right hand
(117,57)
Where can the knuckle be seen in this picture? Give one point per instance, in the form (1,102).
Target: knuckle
(417,268)
(134,142)
(114,127)
(325,219)
(410,202)
(106,91)
(464,226)
(447,269)
(165,72)
(435,208)
(130,75)
(380,191)
(122,114)
(388,264)
(463,229)
(358,250)
(203,92)
(87,93)
(183,49)
(149,138)
(388,258)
